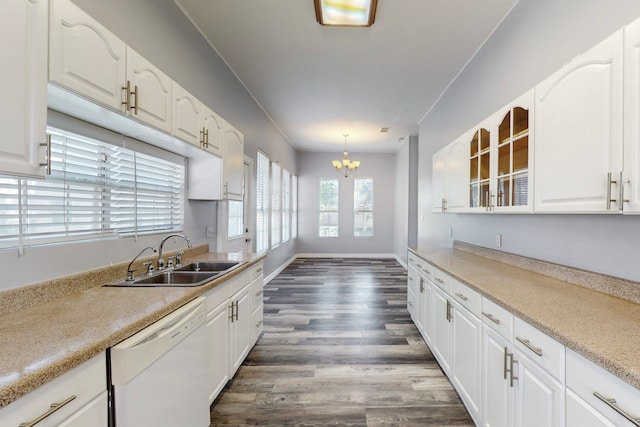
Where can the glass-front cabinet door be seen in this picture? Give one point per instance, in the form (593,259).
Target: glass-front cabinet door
(513,154)
(480,194)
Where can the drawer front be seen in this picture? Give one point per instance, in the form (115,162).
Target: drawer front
(422,266)
(217,295)
(497,318)
(466,296)
(541,348)
(257,293)
(246,277)
(586,379)
(257,324)
(441,279)
(85,382)
(413,279)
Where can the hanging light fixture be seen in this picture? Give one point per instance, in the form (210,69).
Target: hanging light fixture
(346,166)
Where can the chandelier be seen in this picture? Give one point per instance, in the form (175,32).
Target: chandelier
(346,166)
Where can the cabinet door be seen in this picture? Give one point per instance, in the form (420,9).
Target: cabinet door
(497,393)
(214,131)
(631,176)
(480,189)
(442,329)
(439,180)
(539,397)
(94,414)
(413,286)
(187,115)
(457,168)
(151,101)
(579,132)
(467,355)
(512,158)
(421,307)
(23,107)
(240,331)
(232,166)
(426,310)
(218,349)
(85,57)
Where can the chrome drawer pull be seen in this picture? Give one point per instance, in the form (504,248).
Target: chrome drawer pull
(611,403)
(439,280)
(490,317)
(54,407)
(526,343)
(462,297)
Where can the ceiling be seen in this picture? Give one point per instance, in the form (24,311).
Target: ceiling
(318,83)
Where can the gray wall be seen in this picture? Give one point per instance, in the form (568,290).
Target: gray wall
(401,203)
(313,166)
(536,39)
(158,30)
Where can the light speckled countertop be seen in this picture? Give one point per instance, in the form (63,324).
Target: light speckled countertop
(45,340)
(603,328)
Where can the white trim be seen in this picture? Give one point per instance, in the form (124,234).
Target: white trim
(278,270)
(401,262)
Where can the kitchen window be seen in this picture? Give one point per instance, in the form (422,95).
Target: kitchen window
(262,202)
(96,189)
(294,207)
(276,205)
(286,205)
(328,216)
(363,207)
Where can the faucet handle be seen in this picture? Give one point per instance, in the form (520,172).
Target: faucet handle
(149,265)
(170,261)
(179,258)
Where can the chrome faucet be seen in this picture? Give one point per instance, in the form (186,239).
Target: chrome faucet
(130,272)
(164,239)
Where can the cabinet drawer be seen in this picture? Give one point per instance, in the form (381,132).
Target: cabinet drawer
(257,293)
(466,296)
(422,266)
(257,324)
(78,387)
(441,279)
(413,279)
(585,379)
(246,277)
(497,318)
(541,348)
(217,295)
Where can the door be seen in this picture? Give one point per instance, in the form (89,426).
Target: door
(467,354)
(23,107)
(187,115)
(497,393)
(236,218)
(442,329)
(218,346)
(239,328)
(149,92)
(457,168)
(233,160)
(85,57)
(581,414)
(579,133)
(213,126)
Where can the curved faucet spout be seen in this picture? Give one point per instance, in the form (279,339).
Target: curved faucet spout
(129,270)
(164,239)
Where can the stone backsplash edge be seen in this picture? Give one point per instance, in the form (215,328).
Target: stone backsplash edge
(621,288)
(16,299)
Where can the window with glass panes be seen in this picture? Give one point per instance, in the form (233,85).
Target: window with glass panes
(286,205)
(262,203)
(363,207)
(328,215)
(276,204)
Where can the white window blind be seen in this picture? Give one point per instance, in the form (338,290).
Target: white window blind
(294,207)
(262,202)
(95,189)
(276,204)
(286,205)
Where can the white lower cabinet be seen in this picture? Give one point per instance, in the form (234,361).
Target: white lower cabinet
(217,343)
(239,331)
(596,397)
(441,346)
(497,386)
(80,396)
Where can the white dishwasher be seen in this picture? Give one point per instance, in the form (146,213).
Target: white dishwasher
(159,375)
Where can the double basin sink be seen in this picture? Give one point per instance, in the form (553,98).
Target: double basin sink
(192,274)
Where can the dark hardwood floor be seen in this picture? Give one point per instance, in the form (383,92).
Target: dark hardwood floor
(339,348)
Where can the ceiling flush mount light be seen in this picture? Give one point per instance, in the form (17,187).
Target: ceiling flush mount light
(346,166)
(346,13)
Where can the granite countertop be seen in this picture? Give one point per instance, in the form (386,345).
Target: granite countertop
(603,328)
(43,341)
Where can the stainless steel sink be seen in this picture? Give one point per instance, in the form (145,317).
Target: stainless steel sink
(210,266)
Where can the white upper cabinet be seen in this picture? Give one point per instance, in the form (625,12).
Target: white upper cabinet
(233,161)
(450,166)
(213,131)
(23,107)
(148,93)
(631,176)
(85,57)
(578,148)
(187,116)
(512,155)
(481,192)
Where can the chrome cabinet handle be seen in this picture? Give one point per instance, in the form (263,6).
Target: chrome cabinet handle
(490,317)
(232,315)
(47,158)
(135,104)
(127,96)
(202,138)
(206,138)
(513,377)
(462,297)
(609,182)
(449,315)
(611,403)
(421,286)
(505,363)
(527,343)
(53,408)
(508,366)
(439,280)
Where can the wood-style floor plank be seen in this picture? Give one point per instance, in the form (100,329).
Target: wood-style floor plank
(339,348)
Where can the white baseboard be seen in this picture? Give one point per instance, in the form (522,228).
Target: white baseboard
(278,270)
(345,255)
